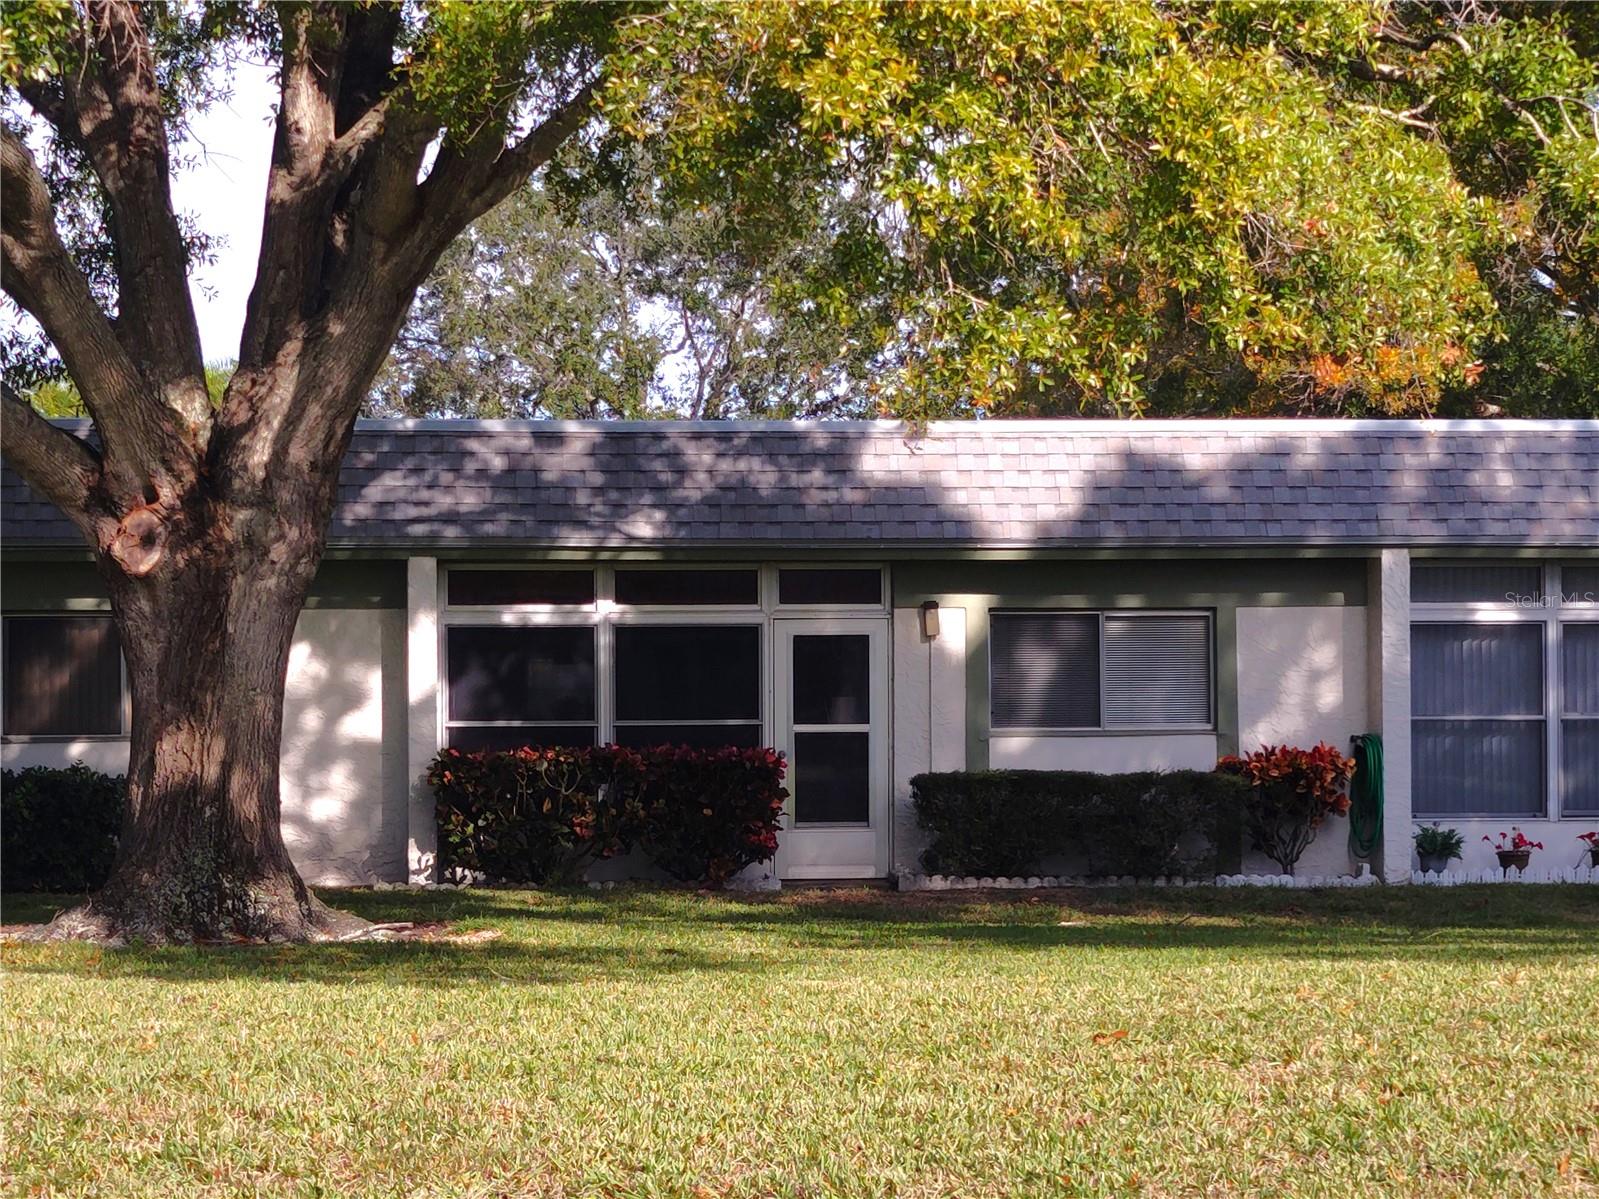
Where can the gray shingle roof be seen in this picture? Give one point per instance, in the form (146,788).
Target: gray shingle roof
(1065,483)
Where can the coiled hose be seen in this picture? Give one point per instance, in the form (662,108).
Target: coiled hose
(1365,796)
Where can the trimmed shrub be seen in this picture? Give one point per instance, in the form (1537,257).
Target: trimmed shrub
(711,812)
(543,816)
(534,815)
(59,827)
(1008,822)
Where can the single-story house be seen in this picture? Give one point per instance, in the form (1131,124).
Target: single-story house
(879,599)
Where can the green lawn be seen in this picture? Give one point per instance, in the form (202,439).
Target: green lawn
(1414,1042)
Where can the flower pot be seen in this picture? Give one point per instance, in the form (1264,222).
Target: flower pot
(1513,857)
(1593,857)
(1434,863)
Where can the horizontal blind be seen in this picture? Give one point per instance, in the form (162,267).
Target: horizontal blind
(1157,671)
(1579,583)
(1044,670)
(1476,670)
(1475,582)
(1477,767)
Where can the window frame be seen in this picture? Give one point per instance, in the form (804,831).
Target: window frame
(605,614)
(1552,613)
(1101,729)
(124,705)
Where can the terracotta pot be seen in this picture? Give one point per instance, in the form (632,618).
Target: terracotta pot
(1434,863)
(1513,857)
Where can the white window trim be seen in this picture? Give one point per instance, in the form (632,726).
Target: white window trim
(1551,613)
(1100,730)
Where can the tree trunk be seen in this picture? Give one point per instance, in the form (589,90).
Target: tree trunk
(206,637)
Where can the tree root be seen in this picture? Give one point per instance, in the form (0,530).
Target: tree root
(273,918)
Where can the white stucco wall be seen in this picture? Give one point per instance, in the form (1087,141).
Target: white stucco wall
(1103,753)
(1302,679)
(929,686)
(344,780)
(343,760)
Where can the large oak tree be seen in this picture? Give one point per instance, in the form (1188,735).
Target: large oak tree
(1042,204)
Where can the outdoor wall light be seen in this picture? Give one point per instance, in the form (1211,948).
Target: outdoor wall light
(930,619)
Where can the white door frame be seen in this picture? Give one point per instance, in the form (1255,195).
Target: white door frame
(835,851)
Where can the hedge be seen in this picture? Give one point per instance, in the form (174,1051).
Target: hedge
(59,827)
(539,815)
(1150,824)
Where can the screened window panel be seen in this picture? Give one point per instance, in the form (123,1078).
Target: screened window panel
(832,678)
(543,674)
(1579,767)
(697,736)
(1044,670)
(1475,582)
(1579,582)
(687,673)
(672,588)
(829,586)
(1476,670)
(1157,671)
(63,676)
(1579,669)
(505,588)
(1478,767)
(492,737)
(832,778)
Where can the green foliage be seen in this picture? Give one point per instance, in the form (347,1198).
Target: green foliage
(1085,204)
(59,828)
(575,301)
(1432,841)
(543,815)
(1004,823)
(1118,206)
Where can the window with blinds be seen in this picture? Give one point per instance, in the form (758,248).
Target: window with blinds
(1087,671)
(1579,719)
(1477,719)
(63,677)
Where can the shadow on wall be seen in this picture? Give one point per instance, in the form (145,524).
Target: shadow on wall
(343,757)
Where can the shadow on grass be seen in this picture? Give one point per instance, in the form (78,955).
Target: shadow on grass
(640,934)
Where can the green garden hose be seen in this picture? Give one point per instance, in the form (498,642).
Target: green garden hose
(1365,796)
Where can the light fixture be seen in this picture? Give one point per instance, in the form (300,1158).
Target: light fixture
(930,619)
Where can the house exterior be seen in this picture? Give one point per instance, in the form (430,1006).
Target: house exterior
(879,600)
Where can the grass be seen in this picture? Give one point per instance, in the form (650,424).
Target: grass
(652,1043)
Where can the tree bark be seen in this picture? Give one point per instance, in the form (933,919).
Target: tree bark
(206,639)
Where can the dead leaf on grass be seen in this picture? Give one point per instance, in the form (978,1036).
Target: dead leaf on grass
(1105,1038)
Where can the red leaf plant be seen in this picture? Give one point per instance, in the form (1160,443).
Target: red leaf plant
(1512,842)
(1292,792)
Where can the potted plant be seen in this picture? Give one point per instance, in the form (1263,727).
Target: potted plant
(1514,849)
(1593,847)
(1292,792)
(1436,846)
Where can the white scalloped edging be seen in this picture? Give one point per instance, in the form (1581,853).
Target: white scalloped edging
(1533,874)
(941,882)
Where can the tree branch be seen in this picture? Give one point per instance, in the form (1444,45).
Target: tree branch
(60,467)
(111,108)
(44,281)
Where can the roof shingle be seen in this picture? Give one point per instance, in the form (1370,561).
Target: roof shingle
(1064,483)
